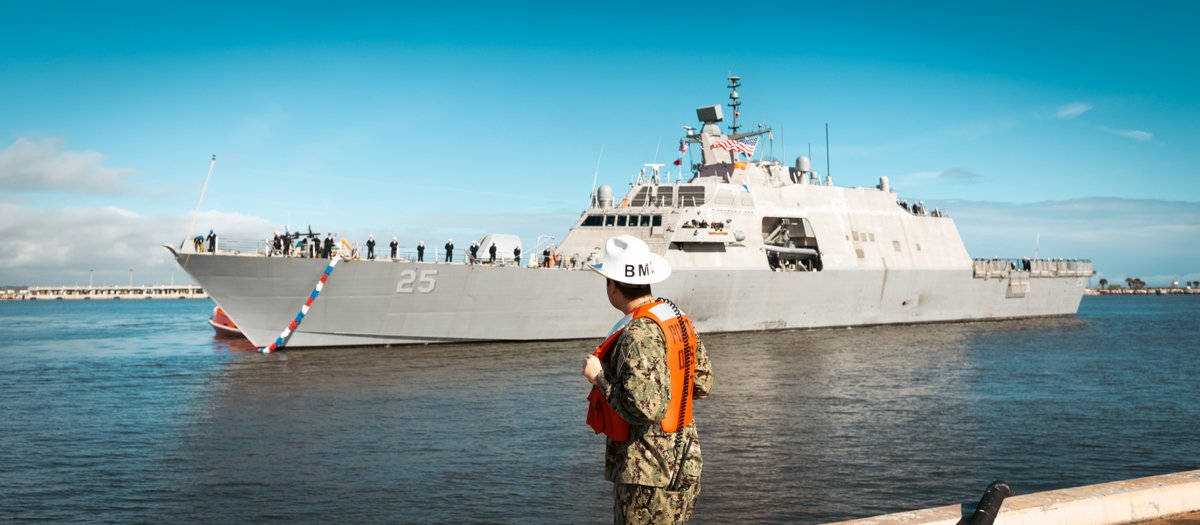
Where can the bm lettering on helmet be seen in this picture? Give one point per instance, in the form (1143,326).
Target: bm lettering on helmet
(642,270)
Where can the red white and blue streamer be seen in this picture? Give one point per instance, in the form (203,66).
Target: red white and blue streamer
(287,332)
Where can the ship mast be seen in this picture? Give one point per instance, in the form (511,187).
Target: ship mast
(734,103)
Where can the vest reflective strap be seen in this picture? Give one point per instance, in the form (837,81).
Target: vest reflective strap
(680,362)
(602,417)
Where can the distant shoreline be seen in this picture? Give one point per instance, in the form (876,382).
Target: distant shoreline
(1166,290)
(103,293)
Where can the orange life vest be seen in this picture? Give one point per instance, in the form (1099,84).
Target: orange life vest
(681,364)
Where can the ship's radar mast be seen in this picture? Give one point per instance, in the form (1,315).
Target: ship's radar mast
(734,83)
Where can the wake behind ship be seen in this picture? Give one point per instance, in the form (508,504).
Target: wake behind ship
(754,245)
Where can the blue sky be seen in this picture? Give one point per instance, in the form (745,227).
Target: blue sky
(1075,122)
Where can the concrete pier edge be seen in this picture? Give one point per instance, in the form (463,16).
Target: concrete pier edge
(1128,501)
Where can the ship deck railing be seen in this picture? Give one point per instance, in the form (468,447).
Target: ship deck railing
(1001,268)
(461,255)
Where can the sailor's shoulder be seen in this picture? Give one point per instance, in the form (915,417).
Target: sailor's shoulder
(644,331)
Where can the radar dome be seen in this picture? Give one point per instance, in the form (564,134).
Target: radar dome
(803,164)
(604,196)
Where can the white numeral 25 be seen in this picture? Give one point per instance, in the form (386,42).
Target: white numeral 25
(409,282)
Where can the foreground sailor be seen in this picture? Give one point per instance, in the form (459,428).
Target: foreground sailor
(646,374)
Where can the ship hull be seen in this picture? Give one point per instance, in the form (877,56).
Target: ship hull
(367,303)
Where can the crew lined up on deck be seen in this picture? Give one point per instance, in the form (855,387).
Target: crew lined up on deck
(313,246)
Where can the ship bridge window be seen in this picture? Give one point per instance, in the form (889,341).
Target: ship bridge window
(790,244)
(691,195)
(653,196)
(630,221)
(641,198)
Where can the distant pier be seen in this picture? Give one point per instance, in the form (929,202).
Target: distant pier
(86,293)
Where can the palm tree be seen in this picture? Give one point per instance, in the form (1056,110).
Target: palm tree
(1103,283)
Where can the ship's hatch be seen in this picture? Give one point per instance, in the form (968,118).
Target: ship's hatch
(791,244)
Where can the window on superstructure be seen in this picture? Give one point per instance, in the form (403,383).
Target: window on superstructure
(610,220)
(656,220)
(641,198)
(666,196)
(691,195)
(621,221)
(593,220)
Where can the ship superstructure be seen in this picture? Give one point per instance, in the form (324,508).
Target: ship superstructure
(754,245)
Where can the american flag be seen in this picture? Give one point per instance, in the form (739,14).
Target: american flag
(745,145)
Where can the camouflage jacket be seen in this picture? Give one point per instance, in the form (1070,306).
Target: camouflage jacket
(636,383)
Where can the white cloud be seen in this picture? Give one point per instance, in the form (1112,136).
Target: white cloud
(59,246)
(923,179)
(959,175)
(44,165)
(1073,110)
(1135,134)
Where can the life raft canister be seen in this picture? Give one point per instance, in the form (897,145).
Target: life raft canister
(681,364)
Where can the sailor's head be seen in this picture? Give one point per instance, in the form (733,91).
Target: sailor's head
(628,260)
(630,268)
(372,237)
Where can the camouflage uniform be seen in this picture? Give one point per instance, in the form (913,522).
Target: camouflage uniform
(637,384)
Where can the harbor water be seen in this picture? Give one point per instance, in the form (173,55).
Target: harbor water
(131,411)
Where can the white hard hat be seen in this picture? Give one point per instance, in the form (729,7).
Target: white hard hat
(627,259)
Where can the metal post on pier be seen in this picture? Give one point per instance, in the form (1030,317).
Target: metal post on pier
(989,505)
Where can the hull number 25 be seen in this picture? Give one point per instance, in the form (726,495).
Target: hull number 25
(410,281)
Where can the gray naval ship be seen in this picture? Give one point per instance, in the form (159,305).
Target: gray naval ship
(754,245)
